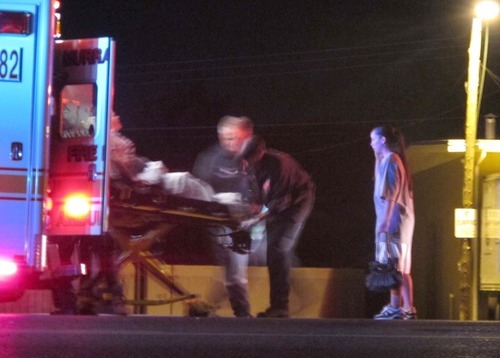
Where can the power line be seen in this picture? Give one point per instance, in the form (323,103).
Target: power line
(291,53)
(285,60)
(296,62)
(290,125)
(285,73)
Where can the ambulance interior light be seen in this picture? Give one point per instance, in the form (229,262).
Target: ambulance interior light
(16,22)
(57,6)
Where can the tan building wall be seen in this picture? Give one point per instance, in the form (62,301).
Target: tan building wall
(436,251)
(438,189)
(316,292)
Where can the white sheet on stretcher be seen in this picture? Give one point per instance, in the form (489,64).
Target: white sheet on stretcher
(181,184)
(186,185)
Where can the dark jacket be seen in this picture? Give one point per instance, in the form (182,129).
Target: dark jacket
(219,169)
(285,187)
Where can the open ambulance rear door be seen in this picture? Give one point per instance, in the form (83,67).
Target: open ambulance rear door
(83,84)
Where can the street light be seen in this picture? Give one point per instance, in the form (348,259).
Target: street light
(484,11)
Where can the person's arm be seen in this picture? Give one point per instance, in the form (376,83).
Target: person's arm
(202,168)
(390,194)
(254,220)
(387,214)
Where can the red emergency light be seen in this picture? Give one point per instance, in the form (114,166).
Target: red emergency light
(77,206)
(7,268)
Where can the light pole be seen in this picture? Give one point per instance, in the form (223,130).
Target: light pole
(484,11)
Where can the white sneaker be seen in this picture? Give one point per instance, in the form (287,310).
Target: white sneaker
(388,313)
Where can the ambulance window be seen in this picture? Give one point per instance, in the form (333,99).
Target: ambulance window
(15,22)
(77,111)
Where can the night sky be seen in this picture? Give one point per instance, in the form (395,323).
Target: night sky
(315,76)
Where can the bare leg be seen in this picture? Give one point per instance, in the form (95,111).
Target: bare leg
(407,292)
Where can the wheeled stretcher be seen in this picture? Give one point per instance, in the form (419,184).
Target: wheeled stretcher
(143,215)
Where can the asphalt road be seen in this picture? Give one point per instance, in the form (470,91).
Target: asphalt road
(42,335)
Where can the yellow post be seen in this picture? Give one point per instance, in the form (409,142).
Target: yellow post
(464,264)
(471,113)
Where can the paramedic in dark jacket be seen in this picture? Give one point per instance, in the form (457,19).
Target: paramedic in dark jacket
(288,192)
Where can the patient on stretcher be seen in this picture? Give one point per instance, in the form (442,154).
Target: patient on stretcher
(133,176)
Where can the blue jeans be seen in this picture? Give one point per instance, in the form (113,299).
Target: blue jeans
(235,267)
(282,235)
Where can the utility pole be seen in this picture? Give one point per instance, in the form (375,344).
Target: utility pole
(485,10)
(464,265)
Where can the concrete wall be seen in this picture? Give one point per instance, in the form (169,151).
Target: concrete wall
(33,301)
(316,292)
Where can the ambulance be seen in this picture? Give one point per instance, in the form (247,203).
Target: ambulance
(55,105)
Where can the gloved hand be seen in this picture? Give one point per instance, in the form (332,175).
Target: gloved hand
(248,223)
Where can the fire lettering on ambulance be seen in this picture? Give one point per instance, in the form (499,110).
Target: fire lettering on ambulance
(92,219)
(83,57)
(82,153)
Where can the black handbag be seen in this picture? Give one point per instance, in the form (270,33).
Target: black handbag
(383,277)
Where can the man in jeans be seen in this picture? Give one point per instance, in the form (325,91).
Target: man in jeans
(288,192)
(218,167)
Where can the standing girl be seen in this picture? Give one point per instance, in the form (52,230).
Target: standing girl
(393,199)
